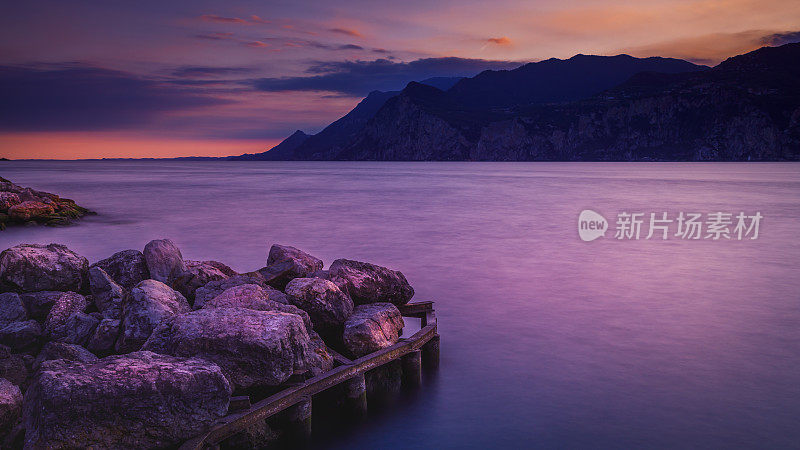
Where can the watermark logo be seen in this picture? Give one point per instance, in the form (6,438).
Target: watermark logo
(591,225)
(713,226)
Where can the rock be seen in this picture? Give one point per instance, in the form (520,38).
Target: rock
(61,350)
(127,268)
(7,200)
(138,400)
(253,296)
(78,330)
(164,261)
(11,309)
(107,294)
(104,337)
(372,327)
(66,305)
(198,274)
(214,288)
(368,283)
(253,348)
(39,304)
(327,306)
(285,263)
(29,210)
(148,304)
(10,406)
(221,267)
(21,336)
(13,367)
(36,267)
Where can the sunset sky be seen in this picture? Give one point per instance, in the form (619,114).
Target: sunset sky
(88,79)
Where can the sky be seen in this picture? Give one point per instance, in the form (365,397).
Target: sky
(114,78)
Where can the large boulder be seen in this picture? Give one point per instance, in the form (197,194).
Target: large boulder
(164,261)
(253,348)
(104,337)
(36,267)
(253,296)
(108,295)
(372,327)
(214,288)
(40,303)
(10,405)
(324,302)
(78,330)
(138,400)
(29,210)
(22,336)
(198,274)
(369,283)
(11,309)
(65,307)
(148,304)
(285,263)
(127,268)
(61,350)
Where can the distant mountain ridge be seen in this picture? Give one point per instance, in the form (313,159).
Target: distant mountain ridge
(617,108)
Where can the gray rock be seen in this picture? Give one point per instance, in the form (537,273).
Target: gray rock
(39,304)
(372,327)
(139,400)
(253,296)
(21,336)
(198,274)
(78,330)
(104,337)
(324,302)
(10,406)
(13,367)
(127,268)
(214,288)
(253,348)
(11,309)
(66,305)
(36,267)
(368,283)
(148,304)
(164,261)
(61,350)
(285,263)
(108,295)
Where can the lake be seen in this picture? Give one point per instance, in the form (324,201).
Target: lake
(547,341)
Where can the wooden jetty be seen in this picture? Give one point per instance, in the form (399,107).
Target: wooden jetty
(422,348)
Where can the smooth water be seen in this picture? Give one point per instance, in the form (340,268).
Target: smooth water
(547,341)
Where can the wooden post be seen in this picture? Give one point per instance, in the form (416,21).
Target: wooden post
(355,393)
(299,416)
(412,368)
(430,353)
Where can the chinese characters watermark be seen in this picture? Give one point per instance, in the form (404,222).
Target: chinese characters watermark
(713,226)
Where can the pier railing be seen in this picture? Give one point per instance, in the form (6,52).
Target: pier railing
(420,348)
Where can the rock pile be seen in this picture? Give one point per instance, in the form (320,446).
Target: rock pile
(145,349)
(25,206)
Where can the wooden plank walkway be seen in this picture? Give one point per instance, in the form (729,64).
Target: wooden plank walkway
(346,370)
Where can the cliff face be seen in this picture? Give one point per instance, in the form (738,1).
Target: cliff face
(747,108)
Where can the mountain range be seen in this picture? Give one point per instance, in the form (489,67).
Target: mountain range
(585,108)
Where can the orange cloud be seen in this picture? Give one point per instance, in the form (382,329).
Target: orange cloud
(346,31)
(499,40)
(257,44)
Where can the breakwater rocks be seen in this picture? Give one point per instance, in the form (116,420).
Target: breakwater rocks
(25,206)
(148,349)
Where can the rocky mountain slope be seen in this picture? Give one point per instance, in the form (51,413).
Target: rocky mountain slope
(600,109)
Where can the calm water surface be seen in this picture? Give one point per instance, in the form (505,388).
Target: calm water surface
(548,341)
